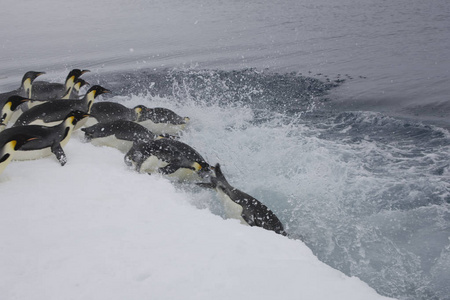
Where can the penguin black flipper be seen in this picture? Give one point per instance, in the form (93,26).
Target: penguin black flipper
(59,153)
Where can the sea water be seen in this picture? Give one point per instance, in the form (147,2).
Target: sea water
(332,113)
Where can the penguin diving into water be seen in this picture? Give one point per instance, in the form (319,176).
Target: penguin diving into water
(119,134)
(107,111)
(162,121)
(158,120)
(52,112)
(47,140)
(172,158)
(241,206)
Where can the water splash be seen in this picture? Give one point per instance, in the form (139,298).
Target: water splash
(369,194)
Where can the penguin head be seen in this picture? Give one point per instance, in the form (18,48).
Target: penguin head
(96,90)
(27,81)
(15,101)
(75,116)
(138,111)
(30,76)
(74,74)
(10,106)
(201,168)
(79,83)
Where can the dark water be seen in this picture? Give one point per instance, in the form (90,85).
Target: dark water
(367,192)
(332,113)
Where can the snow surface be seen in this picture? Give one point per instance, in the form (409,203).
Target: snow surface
(95,229)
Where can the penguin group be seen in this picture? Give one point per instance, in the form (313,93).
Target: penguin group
(38,119)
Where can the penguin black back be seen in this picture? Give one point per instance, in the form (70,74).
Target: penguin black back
(106,111)
(55,110)
(122,129)
(52,90)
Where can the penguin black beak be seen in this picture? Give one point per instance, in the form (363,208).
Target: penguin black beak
(84,71)
(40,73)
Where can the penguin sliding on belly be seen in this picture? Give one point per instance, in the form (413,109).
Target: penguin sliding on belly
(9,144)
(51,90)
(47,140)
(119,134)
(162,121)
(158,120)
(172,158)
(241,206)
(52,112)
(107,111)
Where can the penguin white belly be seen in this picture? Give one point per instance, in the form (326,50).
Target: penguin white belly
(90,121)
(163,128)
(6,162)
(232,209)
(42,123)
(80,123)
(152,164)
(2,127)
(184,174)
(32,154)
(15,115)
(111,141)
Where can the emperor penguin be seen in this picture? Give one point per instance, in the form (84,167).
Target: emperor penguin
(119,134)
(170,157)
(242,206)
(51,90)
(107,111)
(162,121)
(70,94)
(47,140)
(52,112)
(25,88)
(9,144)
(10,106)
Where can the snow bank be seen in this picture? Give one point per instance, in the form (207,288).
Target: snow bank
(94,229)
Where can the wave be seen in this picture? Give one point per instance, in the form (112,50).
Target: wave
(368,193)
